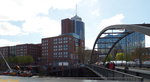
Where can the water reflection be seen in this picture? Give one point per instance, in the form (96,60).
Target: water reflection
(48,79)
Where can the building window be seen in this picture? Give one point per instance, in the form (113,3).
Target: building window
(65,45)
(65,38)
(55,39)
(65,41)
(65,54)
(55,54)
(69,38)
(54,46)
(65,48)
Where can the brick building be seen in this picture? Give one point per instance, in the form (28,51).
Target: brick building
(67,26)
(61,50)
(33,50)
(5,51)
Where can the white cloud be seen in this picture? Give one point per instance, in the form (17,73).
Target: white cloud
(25,9)
(89,43)
(9,29)
(95,12)
(117,19)
(28,11)
(43,25)
(94,0)
(4,42)
(147,39)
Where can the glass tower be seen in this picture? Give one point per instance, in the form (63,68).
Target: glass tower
(131,42)
(78,26)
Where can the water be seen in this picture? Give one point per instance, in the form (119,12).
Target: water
(41,79)
(47,79)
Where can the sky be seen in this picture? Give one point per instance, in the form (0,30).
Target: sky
(28,21)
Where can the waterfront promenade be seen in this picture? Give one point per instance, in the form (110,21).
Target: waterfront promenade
(142,72)
(50,79)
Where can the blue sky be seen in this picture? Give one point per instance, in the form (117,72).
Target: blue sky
(27,21)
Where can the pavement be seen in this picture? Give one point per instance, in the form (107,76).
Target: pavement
(140,70)
(145,71)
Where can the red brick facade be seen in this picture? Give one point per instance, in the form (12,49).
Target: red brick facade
(67,26)
(5,51)
(33,50)
(60,50)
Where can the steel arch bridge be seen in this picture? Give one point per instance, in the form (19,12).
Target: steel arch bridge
(111,35)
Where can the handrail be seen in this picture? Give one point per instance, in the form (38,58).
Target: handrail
(113,74)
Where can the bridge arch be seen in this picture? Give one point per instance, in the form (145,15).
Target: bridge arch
(112,35)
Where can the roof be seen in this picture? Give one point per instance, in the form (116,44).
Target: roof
(76,18)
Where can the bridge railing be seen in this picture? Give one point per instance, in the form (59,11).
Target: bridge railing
(108,74)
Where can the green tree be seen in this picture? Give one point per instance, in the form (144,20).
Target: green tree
(141,54)
(10,59)
(87,56)
(109,58)
(84,54)
(20,59)
(29,59)
(80,53)
(120,56)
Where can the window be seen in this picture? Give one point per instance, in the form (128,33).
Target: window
(54,46)
(60,39)
(69,38)
(65,48)
(55,39)
(65,41)
(65,38)
(65,54)
(54,49)
(55,54)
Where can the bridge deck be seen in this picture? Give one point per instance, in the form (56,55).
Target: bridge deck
(109,74)
(145,71)
(137,71)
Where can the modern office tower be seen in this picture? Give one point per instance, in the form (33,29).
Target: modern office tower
(73,25)
(133,41)
(78,27)
(126,45)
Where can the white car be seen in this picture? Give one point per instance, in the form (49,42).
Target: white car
(146,62)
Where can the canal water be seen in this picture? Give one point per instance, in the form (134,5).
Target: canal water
(41,79)
(48,79)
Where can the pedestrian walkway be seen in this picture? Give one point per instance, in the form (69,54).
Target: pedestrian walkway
(140,70)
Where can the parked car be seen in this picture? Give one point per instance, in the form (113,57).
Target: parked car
(146,64)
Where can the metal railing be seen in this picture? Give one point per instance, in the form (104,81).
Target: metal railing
(108,74)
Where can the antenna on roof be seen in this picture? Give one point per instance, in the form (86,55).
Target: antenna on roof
(76,9)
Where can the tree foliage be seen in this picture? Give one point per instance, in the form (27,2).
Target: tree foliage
(109,58)
(84,55)
(120,56)
(20,59)
(140,54)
